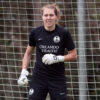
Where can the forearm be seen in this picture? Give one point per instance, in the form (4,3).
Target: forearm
(71,56)
(26,61)
(27,57)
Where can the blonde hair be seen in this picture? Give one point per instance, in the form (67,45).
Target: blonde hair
(56,10)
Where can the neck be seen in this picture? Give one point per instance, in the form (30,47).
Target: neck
(50,28)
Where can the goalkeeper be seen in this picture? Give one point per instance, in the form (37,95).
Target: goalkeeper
(50,41)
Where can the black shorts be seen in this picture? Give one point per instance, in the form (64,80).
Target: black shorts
(39,89)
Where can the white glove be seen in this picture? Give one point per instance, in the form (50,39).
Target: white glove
(49,59)
(22,81)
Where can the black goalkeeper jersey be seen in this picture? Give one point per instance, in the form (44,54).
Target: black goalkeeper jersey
(54,42)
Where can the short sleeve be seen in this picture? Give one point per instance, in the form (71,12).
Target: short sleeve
(68,43)
(32,39)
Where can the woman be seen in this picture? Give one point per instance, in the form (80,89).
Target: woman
(50,41)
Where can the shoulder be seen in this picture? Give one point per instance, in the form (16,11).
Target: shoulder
(63,30)
(37,30)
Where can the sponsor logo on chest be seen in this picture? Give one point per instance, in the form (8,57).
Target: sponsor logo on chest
(51,48)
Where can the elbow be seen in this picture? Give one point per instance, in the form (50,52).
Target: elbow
(75,57)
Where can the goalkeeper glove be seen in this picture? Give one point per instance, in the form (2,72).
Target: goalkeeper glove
(22,81)
(51,59)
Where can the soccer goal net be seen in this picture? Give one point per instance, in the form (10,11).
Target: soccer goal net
(80,17)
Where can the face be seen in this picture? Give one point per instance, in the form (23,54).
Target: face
(49,18)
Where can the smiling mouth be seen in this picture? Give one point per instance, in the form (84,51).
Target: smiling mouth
(49,22)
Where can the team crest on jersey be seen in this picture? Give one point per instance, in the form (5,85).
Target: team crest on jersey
(31,91)
(56,39)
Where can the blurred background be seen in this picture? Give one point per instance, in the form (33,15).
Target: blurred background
(80,17)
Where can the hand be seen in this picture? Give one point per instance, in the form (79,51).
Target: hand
(22,81)
(49,59)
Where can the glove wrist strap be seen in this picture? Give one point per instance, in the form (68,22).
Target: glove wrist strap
(24,72)
(61,58)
